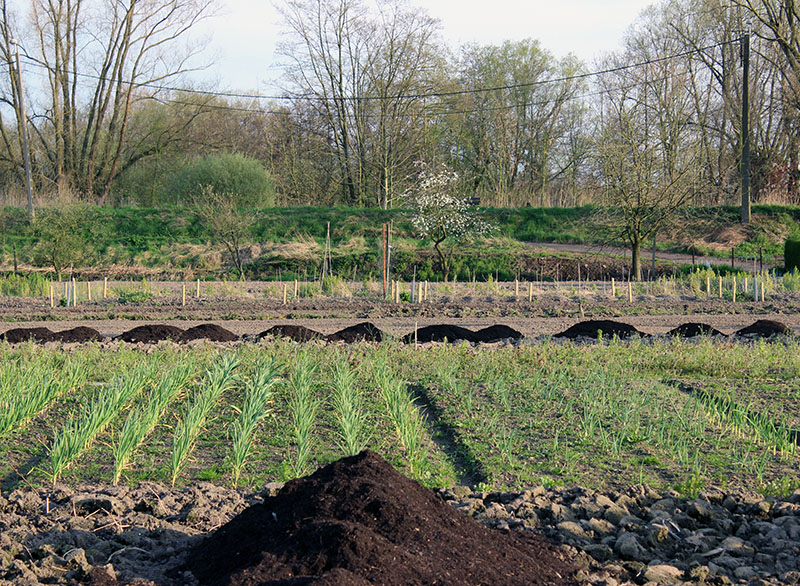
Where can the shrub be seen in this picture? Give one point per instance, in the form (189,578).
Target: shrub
(791,253)
(231,173)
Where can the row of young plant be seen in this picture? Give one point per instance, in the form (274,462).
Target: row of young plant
(603,415)
(164,406)
(555,414)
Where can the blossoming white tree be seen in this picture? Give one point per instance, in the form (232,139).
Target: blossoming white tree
(439,214)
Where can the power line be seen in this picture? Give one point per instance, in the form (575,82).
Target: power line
(414,96)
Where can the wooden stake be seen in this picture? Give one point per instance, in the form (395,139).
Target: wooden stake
(630,292)
(426,290)
(719,279)
(530,292)
(763,286)
(183,295)
(745,286)
(295,289)
(708,286)
(66,291)
(105,287)
(391,292)
(89,290)
(613,288)
(197,291)
(74,293)
(52,297)
(419,292)
(284,293)
(734,288)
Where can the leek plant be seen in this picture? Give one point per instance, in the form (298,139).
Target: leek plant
(258,396)
(142,421)
(220,377)
(303,406)
(348,409)
(81,429)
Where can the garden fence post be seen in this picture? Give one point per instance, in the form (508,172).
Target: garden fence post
(197,291)
(89,291)
(284,293)
(734,288)
(530,292)
(105,287)
(613,288)
(183,295)
(630,292)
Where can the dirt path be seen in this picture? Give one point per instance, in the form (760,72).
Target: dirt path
(745,264)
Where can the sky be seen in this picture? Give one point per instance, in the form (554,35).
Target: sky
(242,37)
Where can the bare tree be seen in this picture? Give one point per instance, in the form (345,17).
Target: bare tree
(101,59)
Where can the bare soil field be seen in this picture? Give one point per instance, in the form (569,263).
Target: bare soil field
(547,313)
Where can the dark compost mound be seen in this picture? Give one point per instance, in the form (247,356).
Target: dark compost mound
(211,332)
(692,329)
(79,334)
(359,521)
(296,333)
(765,328)
(17,335)
(594,327)
(152,333)
(440,333)
(363,332)
(496,332)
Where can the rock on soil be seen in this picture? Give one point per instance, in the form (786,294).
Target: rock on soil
(210,332)
(363,332)
(594,328)
(296,333)
(359,521)
(693,329)
(765,328)
(17,335)
(152,333)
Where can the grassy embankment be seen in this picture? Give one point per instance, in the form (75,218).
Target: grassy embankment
(288,242)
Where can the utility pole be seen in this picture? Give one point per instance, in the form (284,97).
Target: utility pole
(23,122)
(745,162)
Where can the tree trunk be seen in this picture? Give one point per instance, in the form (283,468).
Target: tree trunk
(442,258)
(636,259)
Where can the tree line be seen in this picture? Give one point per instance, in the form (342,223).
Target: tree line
(370,91)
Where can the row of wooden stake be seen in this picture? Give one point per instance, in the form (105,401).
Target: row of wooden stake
(419,290)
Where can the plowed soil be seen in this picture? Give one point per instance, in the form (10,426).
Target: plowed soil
(358,521)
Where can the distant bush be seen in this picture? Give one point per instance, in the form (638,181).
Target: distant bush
(233,173)
(791,253)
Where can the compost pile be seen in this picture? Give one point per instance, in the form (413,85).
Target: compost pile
(358,521)
(594,328)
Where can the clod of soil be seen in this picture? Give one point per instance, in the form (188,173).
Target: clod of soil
(17,335)
(152,333)
(78,335)
(692,329)
(364,331)
(440,333)
(497,332)
(296,333)
(594,328)
(359,521)
(211,332)
(765,328)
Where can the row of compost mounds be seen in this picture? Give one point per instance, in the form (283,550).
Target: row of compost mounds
(367,332)
(763,328)
(358,521)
